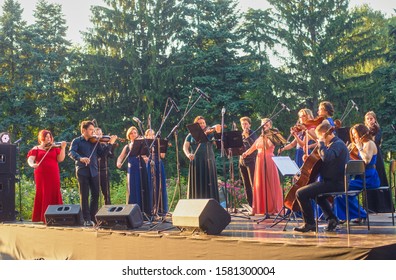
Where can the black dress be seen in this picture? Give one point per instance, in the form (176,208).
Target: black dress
(202,176)
(380,201)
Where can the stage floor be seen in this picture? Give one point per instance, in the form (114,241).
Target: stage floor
(245,238)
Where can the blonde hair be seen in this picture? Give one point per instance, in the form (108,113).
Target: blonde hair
(372,114)
(307,112)
(266,120)
(129,131)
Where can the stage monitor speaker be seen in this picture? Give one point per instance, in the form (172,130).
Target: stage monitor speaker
(205,214)
(120,216)
(64,215)
(7,197)
(7,159)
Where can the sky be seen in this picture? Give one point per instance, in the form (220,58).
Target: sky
(77,12)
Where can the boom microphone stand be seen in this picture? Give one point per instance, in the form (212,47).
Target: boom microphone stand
(174,131)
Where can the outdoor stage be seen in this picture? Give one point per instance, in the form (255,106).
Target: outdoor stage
(242,239)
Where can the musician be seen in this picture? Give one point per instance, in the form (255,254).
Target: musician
(44,158)
(157,177)
(85,150)
(103,164)
(334,154)
(138,191)
(301,134)
(326,110)
(247,165)
(378,201)
(267,193)
(367,151)
(370,120)
(202,176)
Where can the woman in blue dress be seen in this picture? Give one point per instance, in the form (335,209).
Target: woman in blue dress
(157,177)
(138,191)
(366,151)
(202,175)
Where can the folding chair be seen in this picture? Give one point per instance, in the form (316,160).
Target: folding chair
(352,168)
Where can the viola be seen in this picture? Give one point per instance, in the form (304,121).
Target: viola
(353,151)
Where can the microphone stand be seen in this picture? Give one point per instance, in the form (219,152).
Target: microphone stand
(158,198)
(222,154)
(174,131)
(264,138)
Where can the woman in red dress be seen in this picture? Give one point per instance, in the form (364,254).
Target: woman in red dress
(267,193)
(44,158)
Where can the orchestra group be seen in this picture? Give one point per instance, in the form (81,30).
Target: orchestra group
(314,139)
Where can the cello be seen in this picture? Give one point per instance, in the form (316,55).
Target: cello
(309,174)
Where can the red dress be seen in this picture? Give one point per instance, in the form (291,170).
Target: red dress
(47,179)
(266,187)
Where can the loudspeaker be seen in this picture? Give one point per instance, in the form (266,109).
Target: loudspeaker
(205,214)
(120,216)
(7,197)
(64,215)
(7,159)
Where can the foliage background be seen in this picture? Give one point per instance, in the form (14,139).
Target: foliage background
(140,52)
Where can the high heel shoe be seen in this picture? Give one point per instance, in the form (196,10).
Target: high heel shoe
(359,221)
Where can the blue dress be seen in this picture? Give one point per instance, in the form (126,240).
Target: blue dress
(160,202)
(372,182)
(138,191)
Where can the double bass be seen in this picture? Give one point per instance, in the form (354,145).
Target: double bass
(309,174)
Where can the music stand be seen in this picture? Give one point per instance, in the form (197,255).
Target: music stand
(197,133)
(163,145)
(139,147)
(287,167)
(233,146)
(233,143)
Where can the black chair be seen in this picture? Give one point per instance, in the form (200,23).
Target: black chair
(352,169)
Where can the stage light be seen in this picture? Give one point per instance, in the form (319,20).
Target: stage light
(5,138)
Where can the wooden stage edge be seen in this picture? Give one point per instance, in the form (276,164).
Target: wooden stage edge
(243,239)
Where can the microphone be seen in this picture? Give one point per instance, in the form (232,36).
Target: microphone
(354,105)
(285,107)
(223,111)
(17,141)
(204,95)
(174,104)
(137,120)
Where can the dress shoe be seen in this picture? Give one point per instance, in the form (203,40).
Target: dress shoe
(88,223)
(332,224)
(305,228)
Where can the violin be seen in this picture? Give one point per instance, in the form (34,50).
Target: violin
(102,139)
(212,129)
(314,122)
(49,146)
